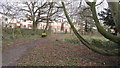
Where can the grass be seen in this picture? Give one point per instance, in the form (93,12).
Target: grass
(63,54)
(70,64)
(19,36)
(99,42)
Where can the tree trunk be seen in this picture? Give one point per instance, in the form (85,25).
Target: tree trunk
(34,27)
(86,26)
(47,22)
(107,35)
(47,19)
(115,9)
(62,27)
(46,27)
(87,44)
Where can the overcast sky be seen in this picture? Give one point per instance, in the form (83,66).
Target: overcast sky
(53,0)
(75,3)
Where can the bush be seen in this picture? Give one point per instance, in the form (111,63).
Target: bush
(73,40)
(18,33)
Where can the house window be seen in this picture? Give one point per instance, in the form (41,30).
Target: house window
(30,26)
(24,26)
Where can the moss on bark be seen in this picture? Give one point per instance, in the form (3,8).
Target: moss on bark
(87,44)
(101,30)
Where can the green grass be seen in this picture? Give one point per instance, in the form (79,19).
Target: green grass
(20,36)
(70,64)
(99,42)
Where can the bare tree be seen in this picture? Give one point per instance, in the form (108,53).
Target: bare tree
(38,11)
(52,10)
(34,10)
(10,9)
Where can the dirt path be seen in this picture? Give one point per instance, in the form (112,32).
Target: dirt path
(60,53)
(10,56)
(52,52)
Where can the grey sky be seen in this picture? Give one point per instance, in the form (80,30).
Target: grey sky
(75,3)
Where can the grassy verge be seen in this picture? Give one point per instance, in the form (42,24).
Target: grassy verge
(99,42)
(14,37)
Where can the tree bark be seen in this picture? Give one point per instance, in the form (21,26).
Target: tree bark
(46,26)
(87,44)
(107,35)
(115,9)
(34,27)
(48,15)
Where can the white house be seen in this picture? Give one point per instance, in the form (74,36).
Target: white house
(26,24)
(41,25)
(56,26)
